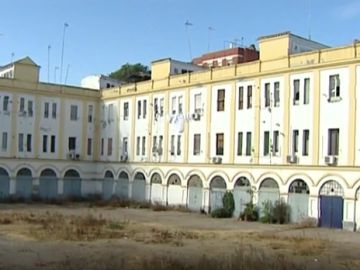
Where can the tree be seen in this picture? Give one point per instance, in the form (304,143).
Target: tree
(130,73)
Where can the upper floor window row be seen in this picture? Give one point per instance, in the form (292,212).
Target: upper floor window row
(47,110)
(301,91)
(26,110)
(272,94)
(141,108)
(245,94)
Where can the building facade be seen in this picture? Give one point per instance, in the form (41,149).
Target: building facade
(285,126)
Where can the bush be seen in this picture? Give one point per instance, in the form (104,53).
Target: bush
(228,202)
(279,212)
(221,213)
(250,213)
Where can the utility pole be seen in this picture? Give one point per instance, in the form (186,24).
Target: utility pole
(62,50)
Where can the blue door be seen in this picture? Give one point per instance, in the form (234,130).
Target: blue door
(331,211)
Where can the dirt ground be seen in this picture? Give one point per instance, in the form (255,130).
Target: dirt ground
(30,238)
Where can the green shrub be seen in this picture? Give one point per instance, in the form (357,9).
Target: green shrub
(279,212)
(250,213)
(221,213)
(228,202)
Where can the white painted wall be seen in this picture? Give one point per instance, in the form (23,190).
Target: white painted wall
(220,121)
(198,126)
(244,121)
(301,117)
(49,126)
(271,119)
(333,114)
(5,126)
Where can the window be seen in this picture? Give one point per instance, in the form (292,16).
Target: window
(143,145)
(109,148)
(275,142)
(161,106)
(239,143)
(197,105)
(111,113)
(221,100)
(138,146)
(160,144)
(333,142)
(144,108)
(22,104)
(306,137)
(6,103)
(90,113)
(53,113)
(154,144)
(21,142)
(241,98)
(53,145)
(28,143)
(276,94)
(125,146)
(30,108)
(46,110)
(334,87)
(44,145)
(73,112)
(180,104)
(267,95)
(306,91)
(89,147)
(126,110)
(72,143)
(220,144)
(266,143)
(102,147)
(173,105)
(139,109)
(295,142)
(156,108)
(179,145)
(197,142)
(249,96)
(248,144)
(296,98)
(172,145)
(4,141)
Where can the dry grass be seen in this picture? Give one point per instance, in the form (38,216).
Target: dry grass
(54,226)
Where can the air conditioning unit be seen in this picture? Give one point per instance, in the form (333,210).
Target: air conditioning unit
(216,160)
(331,160)
(71,155)
(292,159)
(195,116)
(22,113)
(124,157)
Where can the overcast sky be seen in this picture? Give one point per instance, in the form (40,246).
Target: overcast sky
(104,34)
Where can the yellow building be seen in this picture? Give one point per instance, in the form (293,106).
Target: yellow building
(284,125)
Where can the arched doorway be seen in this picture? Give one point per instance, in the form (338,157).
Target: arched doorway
(195,193)
(217,191)
(242,196)
(48,184)
(156,188)
(107,185)
(138,188)
(298,200)
(174,190)
(72,184)
(268,192)
(4,184)
(24,183)
(122,187)
(331,205)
